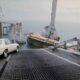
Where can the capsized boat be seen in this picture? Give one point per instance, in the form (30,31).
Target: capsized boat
(39,41)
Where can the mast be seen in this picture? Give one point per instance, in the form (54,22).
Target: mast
(52,31)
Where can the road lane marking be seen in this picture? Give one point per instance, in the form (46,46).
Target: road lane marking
(62,58)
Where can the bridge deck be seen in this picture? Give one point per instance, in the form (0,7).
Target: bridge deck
(38,64)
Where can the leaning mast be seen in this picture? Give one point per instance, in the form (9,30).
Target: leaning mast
(52,31)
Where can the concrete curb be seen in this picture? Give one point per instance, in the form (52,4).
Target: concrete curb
(2,68)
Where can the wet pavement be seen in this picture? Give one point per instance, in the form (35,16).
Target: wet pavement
(70,56)
(41,64)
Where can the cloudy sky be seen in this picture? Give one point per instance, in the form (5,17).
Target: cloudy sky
(40,10)
(68,10)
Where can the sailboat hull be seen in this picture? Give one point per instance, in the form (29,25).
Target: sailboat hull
(37,43)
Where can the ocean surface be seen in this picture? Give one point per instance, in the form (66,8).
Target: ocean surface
(66,30)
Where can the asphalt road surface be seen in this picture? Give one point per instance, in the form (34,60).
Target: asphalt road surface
(41,64)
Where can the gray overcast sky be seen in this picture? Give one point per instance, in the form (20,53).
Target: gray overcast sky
(31,10)
(40,10)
